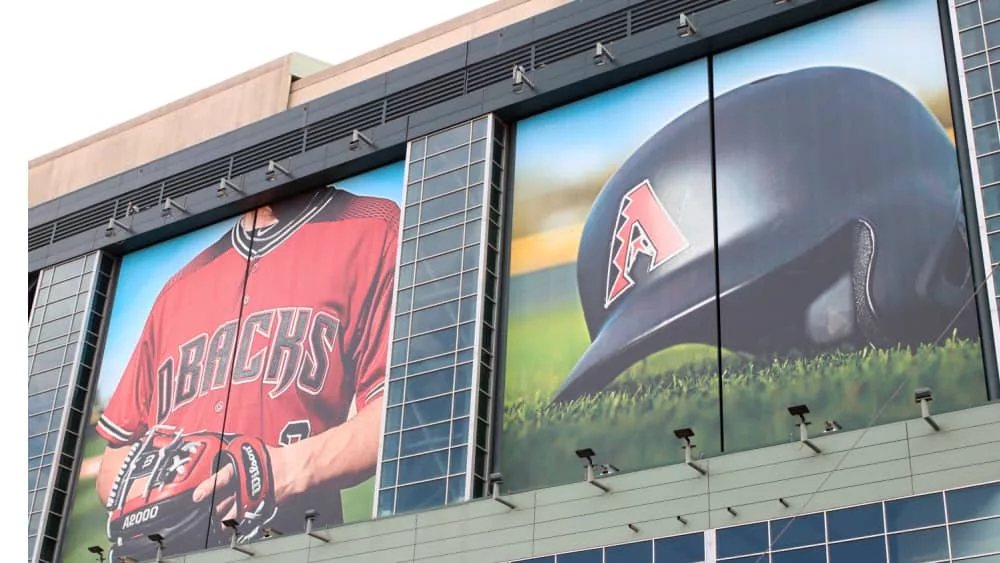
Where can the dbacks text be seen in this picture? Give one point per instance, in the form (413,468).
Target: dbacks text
(278,347)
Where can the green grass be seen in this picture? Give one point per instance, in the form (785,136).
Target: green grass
(629,423)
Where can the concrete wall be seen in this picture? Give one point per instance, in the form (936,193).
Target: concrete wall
(249,97)
(856,467)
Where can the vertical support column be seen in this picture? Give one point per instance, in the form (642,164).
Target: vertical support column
(969,54)
(64,326)
(436,376)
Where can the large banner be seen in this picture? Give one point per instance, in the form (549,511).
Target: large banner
(686,258)
(242,376)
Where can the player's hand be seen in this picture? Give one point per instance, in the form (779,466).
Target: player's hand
(223,480)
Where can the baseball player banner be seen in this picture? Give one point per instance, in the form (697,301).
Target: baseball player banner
(704,257)
(242,376)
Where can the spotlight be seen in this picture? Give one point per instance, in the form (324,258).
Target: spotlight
(495,480)
(923,397)
(520,79)
(158,540)
(98,550)
(311,515)
(273,168)
(682,520)
(587,455)
(831,426)
(232,525)
(686,434)
(169,205)
(225,185)
(685,26)
(602,55)
(114,225)
(357,137)
(730,510)
(783,502)
(801,411)
(271,533)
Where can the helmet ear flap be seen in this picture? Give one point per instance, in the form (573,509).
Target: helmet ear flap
(862,265)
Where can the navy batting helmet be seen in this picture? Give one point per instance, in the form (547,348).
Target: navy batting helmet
(836,218)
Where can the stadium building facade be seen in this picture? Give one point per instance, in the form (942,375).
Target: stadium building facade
(555,281)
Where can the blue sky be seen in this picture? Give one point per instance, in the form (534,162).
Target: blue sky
(144,272)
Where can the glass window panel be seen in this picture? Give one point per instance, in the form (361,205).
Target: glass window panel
(386,499)
(411,215)
(989,171)
(982,110)
(972,41)
(479,128)
(417,148)
(588,556)
(67,270)
(65,289)
(439,266)
(460,431)
(390,447)
(740,540)
(992,225)
(476,172)
(41,402)
(465,355)
(43,476)
(435,317)
(992,34)
(59,309)
(388,477)
(470,257)
(975,61)
(38,423)
(421,495)
(546,559)
(54,328)
(467,310)
(409,233)
(994,241)
(398,352)
(466,335)
(430,364)
(456,489)
(977,82)
(808,555)
(442,223)
(459,459)
(871,550)
(425,439)
(991,9)
(401,326)
(914,512)
(478,150)
(974,502)
(426,412)
(395,389)
(448,139)
(919,546)
(470,283)
(463,376)
(473,231)
(991,200)
(436,292)
(403,300)
(44,380)
(429,384)
(986,138)
(681,549)
(854,522)
(461,407)
(440,242)
(445,183)
(968,15)
(82,301)
(986,559)
(421,467)
(415,172)
(408,251)
(975,538)
(442,207)
(449,160)
(413,191)
(476,198)
(432,344)
(393,418)
(638,552)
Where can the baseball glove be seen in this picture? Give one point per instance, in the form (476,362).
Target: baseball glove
(153,491)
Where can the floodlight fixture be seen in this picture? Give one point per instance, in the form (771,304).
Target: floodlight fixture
(113,226)
(633,527)
(602,55)
(232,525)
(587,454)
(520,78)
(169,205)
(357,137)
(273,169)
(225,186)
(923,397)
(685,26)
(831,426)
(98,550)
(783,502)
(801,411)
(495,480)
(272,533)
(686,434)
(311,515)
(158,540)
(682,520)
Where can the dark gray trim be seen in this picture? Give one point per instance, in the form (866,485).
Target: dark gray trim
(442,90)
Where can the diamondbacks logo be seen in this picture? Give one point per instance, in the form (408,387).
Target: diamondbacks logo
(643,226)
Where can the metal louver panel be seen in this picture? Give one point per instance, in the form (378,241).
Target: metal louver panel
(547,50)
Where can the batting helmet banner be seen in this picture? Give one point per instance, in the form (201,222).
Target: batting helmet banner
(235,355)
(793,235)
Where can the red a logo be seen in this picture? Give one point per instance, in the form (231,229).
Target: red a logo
(643,226)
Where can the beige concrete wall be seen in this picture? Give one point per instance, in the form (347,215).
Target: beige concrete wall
(856,467)
(415,47)
(249,97)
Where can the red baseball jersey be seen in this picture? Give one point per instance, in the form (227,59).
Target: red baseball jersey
(278,330)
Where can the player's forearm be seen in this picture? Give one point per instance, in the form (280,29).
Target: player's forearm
(346,454)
